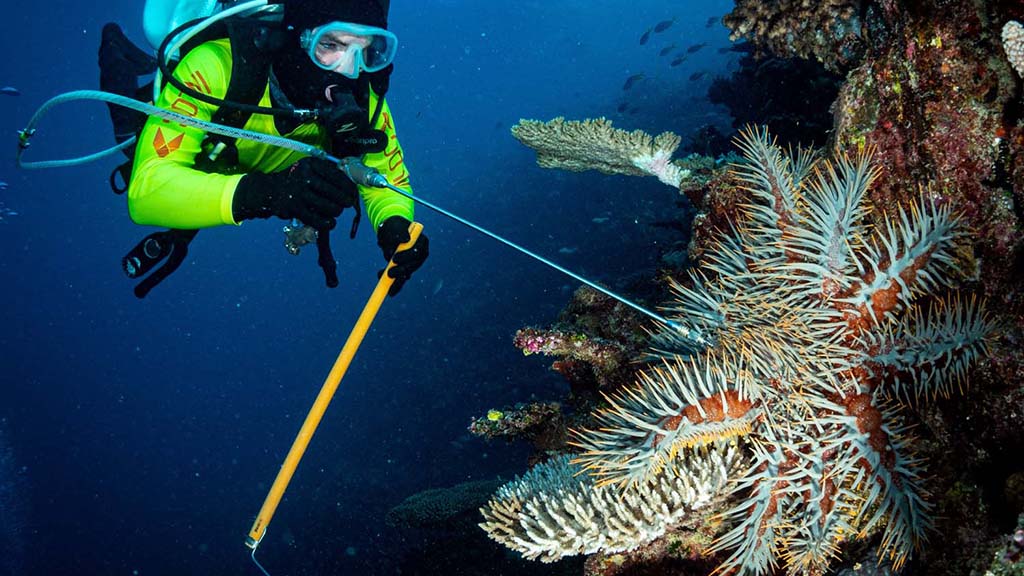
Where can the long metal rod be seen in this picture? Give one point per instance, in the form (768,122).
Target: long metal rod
(693,335)
(323,399)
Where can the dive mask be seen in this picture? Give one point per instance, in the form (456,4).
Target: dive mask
(348,48)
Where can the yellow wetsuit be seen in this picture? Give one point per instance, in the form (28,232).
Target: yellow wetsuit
(165,188)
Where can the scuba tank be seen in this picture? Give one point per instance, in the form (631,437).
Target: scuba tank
(160,17)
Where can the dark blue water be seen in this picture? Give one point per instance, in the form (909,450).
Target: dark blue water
(139,437)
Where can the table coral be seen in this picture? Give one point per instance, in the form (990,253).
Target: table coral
(437,506)
(597,145)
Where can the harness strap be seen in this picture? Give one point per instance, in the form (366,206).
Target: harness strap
(252,46)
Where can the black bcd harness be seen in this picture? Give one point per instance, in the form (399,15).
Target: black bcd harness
(253,44)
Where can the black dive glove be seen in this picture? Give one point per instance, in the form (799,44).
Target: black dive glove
(395,231)
(312,190)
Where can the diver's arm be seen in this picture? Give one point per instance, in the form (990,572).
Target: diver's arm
(382,203)
(165,189)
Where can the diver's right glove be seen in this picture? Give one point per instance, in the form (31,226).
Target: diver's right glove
(312,190)
(393,232)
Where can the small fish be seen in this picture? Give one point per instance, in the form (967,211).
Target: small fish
(697,76)
(696,47)
(600,220)
(667,49)
(438,286)
(3,185)
(567,250)
(678,61)
(664,25)
(621,107)
(632,80)
(711,22)
(646,36)
(10,91)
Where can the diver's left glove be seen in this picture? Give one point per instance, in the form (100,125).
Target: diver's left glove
(391,233)
(312,190)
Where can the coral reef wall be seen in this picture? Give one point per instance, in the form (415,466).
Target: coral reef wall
(935,87)
(936,95)
(931,91)
(930,85)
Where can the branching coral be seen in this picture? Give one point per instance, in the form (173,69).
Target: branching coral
(1013,44)
(820,324)
(555,511)
(596,145)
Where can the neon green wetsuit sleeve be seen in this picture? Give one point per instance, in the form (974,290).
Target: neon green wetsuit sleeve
(165,189)
(382,203)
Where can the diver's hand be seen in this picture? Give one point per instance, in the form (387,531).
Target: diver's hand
(393,232)
(312,190)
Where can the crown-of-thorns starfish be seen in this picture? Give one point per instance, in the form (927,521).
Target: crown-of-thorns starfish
(821,325)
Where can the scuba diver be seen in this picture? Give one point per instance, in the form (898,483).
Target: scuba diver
(323,70)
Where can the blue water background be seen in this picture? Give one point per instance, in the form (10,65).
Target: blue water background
(145,433)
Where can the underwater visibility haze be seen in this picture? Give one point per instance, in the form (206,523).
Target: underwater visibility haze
(833,228)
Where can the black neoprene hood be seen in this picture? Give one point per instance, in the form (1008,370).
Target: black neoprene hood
(308,14)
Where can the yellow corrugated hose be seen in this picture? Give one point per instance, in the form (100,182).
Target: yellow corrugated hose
(316,412)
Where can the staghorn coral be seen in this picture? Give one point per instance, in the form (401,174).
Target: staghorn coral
(554,511)
(820,323)
(596,145)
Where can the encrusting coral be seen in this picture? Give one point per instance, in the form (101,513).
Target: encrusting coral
(438,506)
(828,30)
(596,145)
(606,358)
(527,421)
(820,326)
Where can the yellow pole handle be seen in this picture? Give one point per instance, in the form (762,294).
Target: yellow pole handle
(316,412)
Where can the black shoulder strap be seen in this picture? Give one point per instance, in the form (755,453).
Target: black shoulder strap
(379,81)
(252,48)
(250,70)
